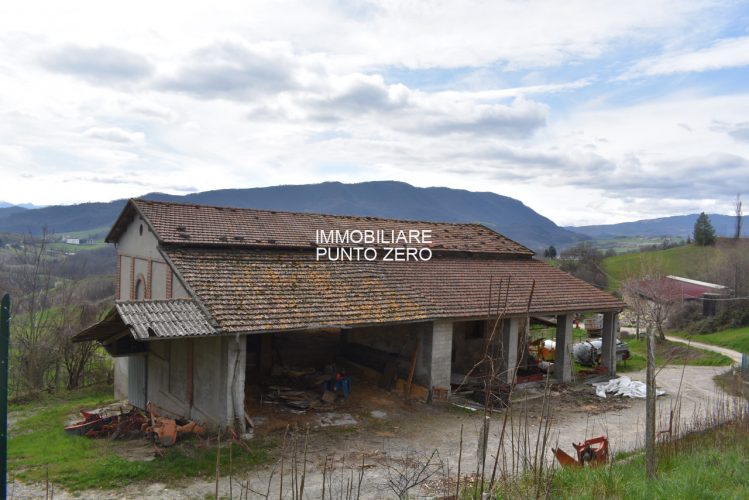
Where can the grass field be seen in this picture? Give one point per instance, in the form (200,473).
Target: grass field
(734,338)
(671,353)
(38,447)
(688,260)
(631,243)
(710,464)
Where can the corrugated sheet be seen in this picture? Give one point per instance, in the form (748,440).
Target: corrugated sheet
(164,318)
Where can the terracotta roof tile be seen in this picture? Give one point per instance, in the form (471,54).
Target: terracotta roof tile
(251,290)
(184,224)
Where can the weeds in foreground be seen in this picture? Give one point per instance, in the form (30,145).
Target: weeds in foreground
(39,448)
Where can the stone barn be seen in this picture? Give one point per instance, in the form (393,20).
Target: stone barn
(209,299)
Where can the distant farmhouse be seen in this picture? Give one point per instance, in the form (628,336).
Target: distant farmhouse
(210,300)
(676,289)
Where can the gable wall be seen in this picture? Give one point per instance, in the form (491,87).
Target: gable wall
(138,257)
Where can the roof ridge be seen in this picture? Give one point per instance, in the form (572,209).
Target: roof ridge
(292,212)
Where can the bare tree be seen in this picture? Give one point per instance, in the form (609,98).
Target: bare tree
(32,285)
(49,309)
(74,315)
(739,216)
(652,296)
(412,471)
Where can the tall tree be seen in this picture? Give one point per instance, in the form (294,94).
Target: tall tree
(704,232)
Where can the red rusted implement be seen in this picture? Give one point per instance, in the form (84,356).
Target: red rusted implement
(593,451)
(166,430)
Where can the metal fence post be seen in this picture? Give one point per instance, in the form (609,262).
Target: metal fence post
(4,340)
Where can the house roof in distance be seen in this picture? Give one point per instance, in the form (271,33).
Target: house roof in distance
(186,224)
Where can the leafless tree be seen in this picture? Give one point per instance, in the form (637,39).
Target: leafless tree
(652,296)
(739,216)
(412,471)
(31,284)
(49,308)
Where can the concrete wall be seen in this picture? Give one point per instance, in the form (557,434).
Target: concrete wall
(120,377)
(440,350)
(201,379)
(434,340)
(468,347)
(139,257)
(400,340)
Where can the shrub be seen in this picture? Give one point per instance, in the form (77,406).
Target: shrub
(734,315)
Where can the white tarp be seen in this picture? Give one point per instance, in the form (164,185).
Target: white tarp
(623,386)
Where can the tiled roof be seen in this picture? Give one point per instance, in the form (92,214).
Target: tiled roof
(255,290)
(250,290)
(184,224)
(462,287)
(164,318)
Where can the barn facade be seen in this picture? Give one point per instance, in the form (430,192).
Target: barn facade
(209,299)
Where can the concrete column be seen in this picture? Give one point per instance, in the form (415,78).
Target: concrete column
(563,360)
(236,358)
(608,345)
(509,340)
(440,354)
(120,377)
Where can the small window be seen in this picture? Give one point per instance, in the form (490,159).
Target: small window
(140,289)
(140,230)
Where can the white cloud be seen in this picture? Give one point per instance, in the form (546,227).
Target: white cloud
(100,65)
(115,134)
(505,96)
(728,53)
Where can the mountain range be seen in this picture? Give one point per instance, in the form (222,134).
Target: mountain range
(676,226)
(382,198)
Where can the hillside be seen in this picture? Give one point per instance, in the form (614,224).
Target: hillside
(678,226)
(385,199)
(689,261)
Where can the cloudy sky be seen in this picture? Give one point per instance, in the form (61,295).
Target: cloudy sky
(588,112)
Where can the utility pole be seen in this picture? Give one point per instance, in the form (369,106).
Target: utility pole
(650,462)
(4,340)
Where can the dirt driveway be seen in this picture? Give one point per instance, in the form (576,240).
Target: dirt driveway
(397,435)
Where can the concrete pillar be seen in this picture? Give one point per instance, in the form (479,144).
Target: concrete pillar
(120,377)
(563,360)
(509,340)
(440,354)
(236,359)
(608,344)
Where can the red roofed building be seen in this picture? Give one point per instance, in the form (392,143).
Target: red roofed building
(678,289)
(208,299)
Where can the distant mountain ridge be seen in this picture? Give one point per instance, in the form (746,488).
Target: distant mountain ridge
(675,226)
(389,199)
(5,204)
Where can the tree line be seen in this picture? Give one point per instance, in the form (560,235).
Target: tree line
(54,297)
